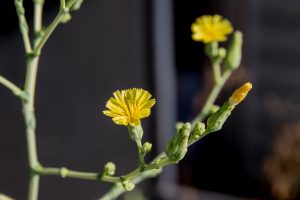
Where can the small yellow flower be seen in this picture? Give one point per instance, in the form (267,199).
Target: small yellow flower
(127,107)
(240,94)
(208,28)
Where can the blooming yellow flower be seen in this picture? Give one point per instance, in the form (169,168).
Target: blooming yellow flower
(208,28)
(240,94)
(127,107)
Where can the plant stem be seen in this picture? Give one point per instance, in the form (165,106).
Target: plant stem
(38,16)
(66,173)
(12,87)
(76,174)
(212,97)
(30,121)
(217,72)
(52,26)
(33,187)
(118,189)
(141,154)
(23,25)
(28,107)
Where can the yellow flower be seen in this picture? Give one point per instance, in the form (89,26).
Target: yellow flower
(127,107)
(208,28)
(240,94)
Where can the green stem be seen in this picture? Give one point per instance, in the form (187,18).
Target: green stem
(141,154)
(136,176)
(52,26)
(30,121)
(28,107)
(118,189)
(63,3)
(33,187)
(23,25)
(212,98)
(38,16)
(66,173)
(217,72)
(12,87)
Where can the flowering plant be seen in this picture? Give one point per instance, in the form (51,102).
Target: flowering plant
(128,107)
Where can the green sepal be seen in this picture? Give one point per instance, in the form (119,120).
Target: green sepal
(216,120)
(211,49)
(135,132)
(234,53)
(177,146)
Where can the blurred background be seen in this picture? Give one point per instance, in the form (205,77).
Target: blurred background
(114,44)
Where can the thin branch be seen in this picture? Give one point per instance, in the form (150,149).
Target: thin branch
(38,16)
(49,30)
(12,87)
(212,98)
(23,25)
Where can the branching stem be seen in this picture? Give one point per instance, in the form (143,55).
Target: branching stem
(12,87)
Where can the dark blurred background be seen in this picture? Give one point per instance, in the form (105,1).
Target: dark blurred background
(114,44)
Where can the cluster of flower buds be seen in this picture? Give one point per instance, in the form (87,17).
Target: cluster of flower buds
(177,146)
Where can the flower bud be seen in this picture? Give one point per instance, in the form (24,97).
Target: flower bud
(66,17)
(109,169)
(135,132)
(128,185)
(216,120)
(147,147)
(234,53)
(197,132)
(240,94)
(177,146)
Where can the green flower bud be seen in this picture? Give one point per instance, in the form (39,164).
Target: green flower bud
(109,169)
(216,120)
(128,185)
(177,146)
(147,147)
(234,53)
(179,126)
(135,132)
(66,18)
(197,132)
(211,49)
(222,52)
